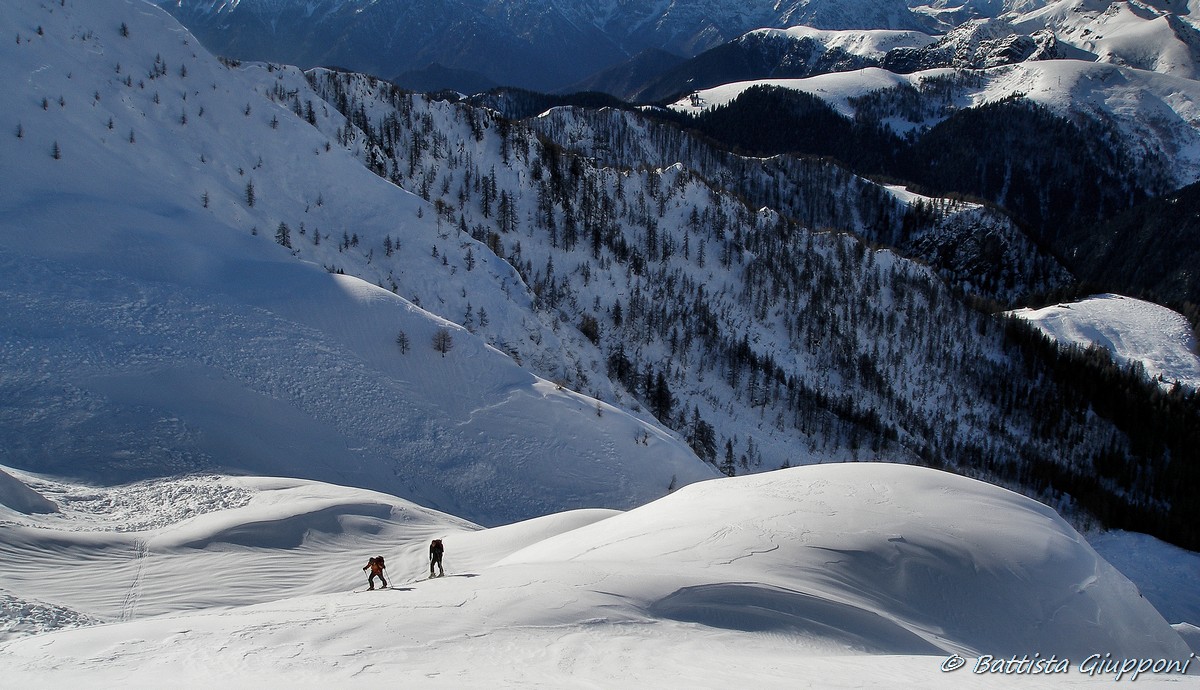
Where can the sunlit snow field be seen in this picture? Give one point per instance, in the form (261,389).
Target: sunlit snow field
(1131,330)
(825,576)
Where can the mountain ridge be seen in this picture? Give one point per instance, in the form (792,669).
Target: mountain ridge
(520,44)
(514,44)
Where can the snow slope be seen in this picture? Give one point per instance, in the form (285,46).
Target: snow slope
(802,575)
(14,495)
(153,323)
(1167,581)
(1132,330)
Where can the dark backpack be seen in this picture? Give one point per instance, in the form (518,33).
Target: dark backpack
(379,560)
(436,546)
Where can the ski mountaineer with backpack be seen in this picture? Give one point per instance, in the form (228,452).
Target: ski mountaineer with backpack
(376,565)
(435,557)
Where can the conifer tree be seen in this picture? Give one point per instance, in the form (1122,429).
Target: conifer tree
(283,235)
(443,340)
(728,468)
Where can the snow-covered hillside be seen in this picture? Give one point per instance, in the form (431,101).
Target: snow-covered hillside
(970,245)
(1164,574)
(1157,115)
(1158,339)
(703,305)
(806,573)
(154,323)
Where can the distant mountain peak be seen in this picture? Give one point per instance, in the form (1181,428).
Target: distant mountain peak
(518,43)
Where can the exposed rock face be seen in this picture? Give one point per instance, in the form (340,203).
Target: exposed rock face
(976,45)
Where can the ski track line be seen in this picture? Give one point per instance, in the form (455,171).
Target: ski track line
(134,594)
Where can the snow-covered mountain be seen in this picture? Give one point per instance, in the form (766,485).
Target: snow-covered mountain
(1155,35)
(1152,37)
(154,323)
(852,572)
(1156,116)
(519,43)
(855,14)
(732,309)
(1160,36)
(794,52)
(972,246)
(661,253)
(975,45)
(802,51)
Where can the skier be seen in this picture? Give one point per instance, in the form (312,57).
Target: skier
(435,557)
(376,565)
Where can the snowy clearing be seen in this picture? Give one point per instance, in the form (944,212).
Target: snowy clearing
(1132,330)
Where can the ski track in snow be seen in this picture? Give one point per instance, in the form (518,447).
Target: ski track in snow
(134,593)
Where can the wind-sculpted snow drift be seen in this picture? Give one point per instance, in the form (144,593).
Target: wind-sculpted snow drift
(791,565)
(14,495)
(943,562)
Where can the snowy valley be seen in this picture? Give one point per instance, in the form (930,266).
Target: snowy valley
(260,323)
